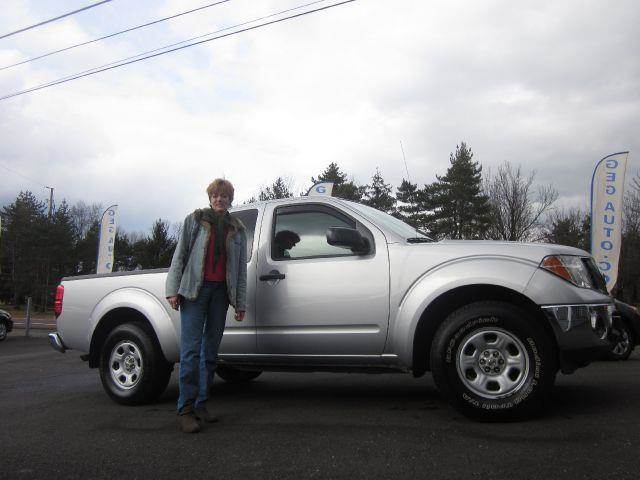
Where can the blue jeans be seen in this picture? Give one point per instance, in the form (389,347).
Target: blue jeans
(201,326)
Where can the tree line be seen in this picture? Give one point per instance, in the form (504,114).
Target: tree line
(38,247)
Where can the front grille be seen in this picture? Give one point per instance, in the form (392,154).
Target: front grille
(596,275)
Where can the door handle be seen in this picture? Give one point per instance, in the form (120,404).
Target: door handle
(272,275)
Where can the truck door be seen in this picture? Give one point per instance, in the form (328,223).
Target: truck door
(313,298)
(240,337)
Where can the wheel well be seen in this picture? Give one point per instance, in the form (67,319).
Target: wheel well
(438,310)
(113,319)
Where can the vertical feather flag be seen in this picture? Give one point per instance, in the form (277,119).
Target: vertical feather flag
(107,240)
(607,195)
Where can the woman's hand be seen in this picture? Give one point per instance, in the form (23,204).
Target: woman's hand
(174,301)
(239,315)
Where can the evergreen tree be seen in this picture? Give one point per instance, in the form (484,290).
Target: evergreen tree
(156,250)
(24,241)
(60,253)
(123,255)
(569,227)
(411,208)
(87,250)
(460,209)
(378,194)
(278,189)
(341,187)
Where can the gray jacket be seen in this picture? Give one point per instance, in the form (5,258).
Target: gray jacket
(186,281)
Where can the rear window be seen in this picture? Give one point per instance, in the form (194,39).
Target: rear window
(249,219)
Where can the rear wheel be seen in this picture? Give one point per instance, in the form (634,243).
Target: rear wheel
(3,329)
(234,375)
(132,368)
(493,361)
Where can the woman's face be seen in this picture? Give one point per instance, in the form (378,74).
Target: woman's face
(219,201)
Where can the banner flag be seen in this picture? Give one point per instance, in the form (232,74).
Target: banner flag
(607,195)
(107,240)
(323,188)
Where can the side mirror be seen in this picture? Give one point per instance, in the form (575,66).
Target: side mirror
(350,238)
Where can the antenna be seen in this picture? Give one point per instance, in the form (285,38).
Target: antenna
(405,161)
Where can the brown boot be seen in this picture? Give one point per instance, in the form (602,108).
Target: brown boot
(203,414)
(189,423)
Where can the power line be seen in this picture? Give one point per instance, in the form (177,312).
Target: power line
(113,34)
(95,69)
(23,176)
(54,19)
(123,63)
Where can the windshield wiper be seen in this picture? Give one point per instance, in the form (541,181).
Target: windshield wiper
(419,240)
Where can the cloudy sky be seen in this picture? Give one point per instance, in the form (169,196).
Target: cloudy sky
(551,85)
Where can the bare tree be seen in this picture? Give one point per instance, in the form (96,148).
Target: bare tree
(628,284)
(517,206)
(83,216)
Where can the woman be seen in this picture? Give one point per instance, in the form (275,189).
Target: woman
(208,272)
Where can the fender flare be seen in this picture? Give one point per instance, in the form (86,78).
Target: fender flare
(474,271)
(145,304)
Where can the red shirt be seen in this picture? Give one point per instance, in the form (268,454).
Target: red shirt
(220,272)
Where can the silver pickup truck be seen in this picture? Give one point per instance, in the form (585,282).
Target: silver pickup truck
(356,290)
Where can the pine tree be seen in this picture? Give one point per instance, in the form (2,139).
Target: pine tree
(60,248)
(156,250)
(460,209)
(24,242)
(411,205)
(278,189)
(341,187)
(378,194)
(87,250)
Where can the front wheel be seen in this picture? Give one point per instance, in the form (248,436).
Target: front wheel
(3,330)
(623,346)
(493,361)
(132,368)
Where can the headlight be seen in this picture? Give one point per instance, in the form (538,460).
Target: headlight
(569,267)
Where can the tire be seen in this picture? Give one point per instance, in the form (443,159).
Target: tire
(133,370)
(510,343)
(234,375)
(3,330)
(624,346)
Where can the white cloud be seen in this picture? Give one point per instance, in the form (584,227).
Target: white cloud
(553,86)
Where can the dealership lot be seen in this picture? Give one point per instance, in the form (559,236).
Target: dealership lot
(58,423)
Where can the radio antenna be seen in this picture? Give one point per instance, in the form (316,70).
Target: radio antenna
(405,162)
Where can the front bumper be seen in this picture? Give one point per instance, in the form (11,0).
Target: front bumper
(581,332)
(56,342)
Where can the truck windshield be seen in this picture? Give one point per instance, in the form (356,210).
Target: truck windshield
(394,224)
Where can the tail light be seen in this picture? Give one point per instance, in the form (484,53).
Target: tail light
(57,304)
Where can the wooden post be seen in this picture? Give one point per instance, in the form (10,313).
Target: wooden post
(27,321)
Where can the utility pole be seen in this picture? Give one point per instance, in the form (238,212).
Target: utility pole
(50,201)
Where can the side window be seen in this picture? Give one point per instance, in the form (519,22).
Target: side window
(300,232)
(248,218)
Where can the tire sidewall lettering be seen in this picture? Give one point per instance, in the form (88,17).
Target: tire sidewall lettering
(516,398)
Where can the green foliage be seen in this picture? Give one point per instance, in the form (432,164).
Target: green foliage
(411,205)
(24,248)
(342,188)
(458,207)
(278,189)
(569,227)
(156,250)
(378,194)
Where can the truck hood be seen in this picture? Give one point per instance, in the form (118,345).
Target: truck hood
(534,252)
